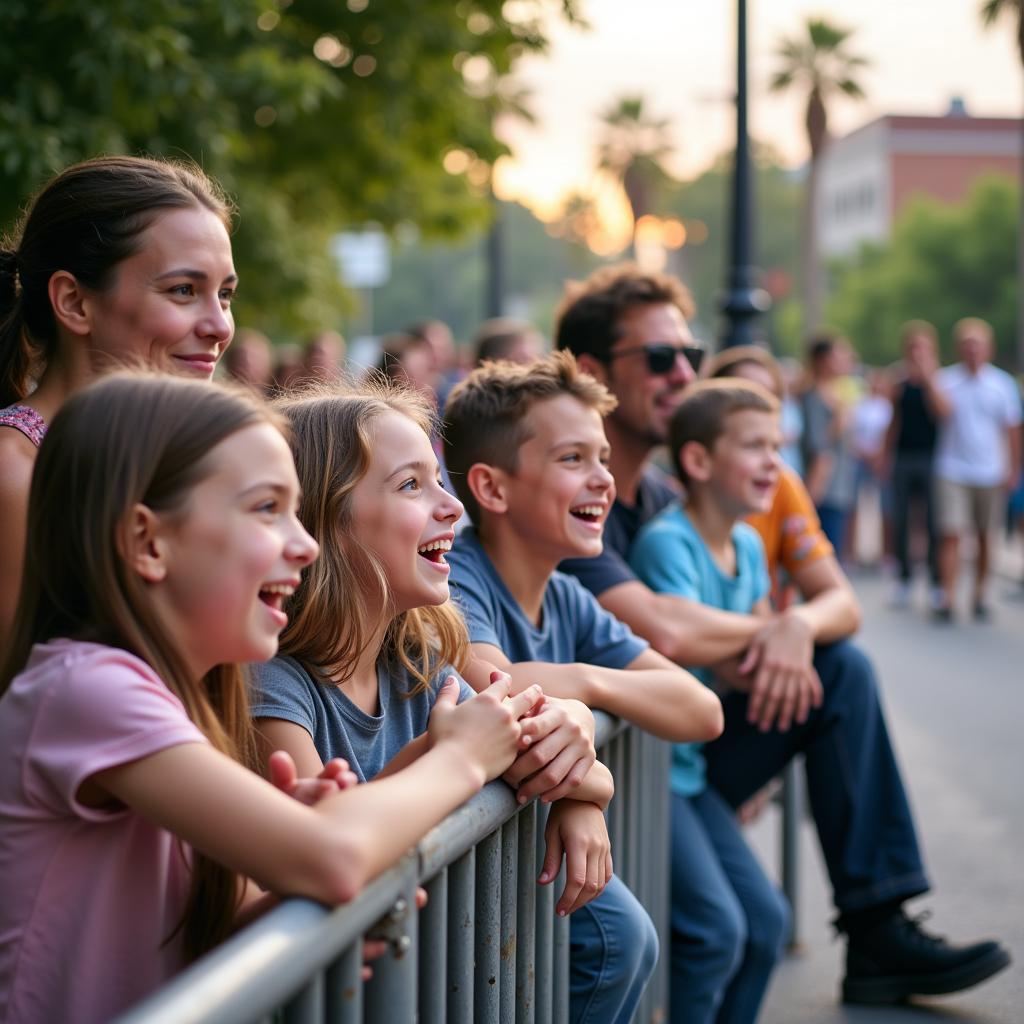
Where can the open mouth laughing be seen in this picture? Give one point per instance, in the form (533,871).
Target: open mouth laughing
(434,550)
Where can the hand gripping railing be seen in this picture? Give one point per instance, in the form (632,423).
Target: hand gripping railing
(486,948)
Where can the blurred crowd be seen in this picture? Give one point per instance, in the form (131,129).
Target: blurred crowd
(903,462)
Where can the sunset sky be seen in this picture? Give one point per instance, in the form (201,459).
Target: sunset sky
(680,55)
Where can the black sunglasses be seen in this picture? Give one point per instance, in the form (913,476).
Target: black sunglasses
(661,356)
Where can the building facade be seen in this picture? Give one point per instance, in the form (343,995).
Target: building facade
(868,176)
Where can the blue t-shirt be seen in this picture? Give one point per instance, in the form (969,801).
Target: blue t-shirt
(339,728)
(573,626)
(671,558)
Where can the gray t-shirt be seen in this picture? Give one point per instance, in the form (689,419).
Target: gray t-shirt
(284,689)
(841,490)
(573,626)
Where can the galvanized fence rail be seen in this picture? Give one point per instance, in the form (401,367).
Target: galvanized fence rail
(486,948)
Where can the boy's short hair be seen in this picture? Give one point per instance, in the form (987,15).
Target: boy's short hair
(485,417)
(587,320)
(702,414)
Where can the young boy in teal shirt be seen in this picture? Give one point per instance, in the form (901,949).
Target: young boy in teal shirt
(728,920)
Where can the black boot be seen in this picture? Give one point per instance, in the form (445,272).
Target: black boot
(892,958)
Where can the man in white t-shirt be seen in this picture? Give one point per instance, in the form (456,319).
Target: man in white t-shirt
(977,457)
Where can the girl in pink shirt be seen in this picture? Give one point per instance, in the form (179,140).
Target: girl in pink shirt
(163,542)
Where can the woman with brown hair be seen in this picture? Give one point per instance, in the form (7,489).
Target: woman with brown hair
(117,260)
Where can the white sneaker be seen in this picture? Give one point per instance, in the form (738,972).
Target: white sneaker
(899,595)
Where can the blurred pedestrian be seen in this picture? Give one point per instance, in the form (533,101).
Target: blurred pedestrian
(289,367)
(324,356)
(791,417)
(977,460)
(445,370)
(508,339)
(870,421)
(249,361)
(830,467)
(909,454)
(409,359)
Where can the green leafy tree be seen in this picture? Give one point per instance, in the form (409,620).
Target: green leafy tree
(445,280)
(942,263)
(315,115)
(633,148)
(820,63)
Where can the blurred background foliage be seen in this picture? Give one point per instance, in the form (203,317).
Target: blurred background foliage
(315,115)
(943,262)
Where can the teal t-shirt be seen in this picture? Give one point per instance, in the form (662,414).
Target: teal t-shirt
(671,558)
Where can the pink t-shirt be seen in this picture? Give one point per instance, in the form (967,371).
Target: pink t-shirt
(87,897)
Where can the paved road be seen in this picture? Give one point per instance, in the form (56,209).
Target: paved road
(955,695)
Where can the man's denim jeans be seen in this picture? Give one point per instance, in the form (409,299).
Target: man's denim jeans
(856,794)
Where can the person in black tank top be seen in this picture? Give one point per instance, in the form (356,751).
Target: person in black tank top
(910,446)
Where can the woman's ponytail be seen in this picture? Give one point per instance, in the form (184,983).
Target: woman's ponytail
(15,357)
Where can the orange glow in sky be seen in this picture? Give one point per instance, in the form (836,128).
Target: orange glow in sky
(681,58)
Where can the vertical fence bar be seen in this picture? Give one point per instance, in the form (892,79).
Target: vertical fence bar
(792,814)
(526,916)
(617,825)
(545,930)
(344,987)
(433,921)
(486,995)
(509,934)
(307,1005)
(652,820)
(391,994)
(461,926)
(560,959)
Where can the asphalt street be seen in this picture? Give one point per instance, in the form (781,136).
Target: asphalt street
(955,696)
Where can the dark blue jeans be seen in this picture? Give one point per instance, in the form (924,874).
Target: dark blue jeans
(833,524)
(613,949)
(728,919)
(856,794)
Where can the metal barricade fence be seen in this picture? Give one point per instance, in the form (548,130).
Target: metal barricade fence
(486,948)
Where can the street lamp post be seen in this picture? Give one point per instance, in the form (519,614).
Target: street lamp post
(494,296)
(743,301)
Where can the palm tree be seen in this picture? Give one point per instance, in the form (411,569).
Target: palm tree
(819,62)
(992,11)
(633,149)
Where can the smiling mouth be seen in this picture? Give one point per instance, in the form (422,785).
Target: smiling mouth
(588,513)
(435,551)
(273,595)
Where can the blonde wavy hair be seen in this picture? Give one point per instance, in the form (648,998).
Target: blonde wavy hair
(329,625)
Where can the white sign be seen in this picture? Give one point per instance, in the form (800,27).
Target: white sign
(364,257)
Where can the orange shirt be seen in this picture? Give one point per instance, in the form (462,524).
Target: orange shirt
(790,529)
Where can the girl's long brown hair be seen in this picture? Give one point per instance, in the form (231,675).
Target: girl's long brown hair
(329,616)
(127,439)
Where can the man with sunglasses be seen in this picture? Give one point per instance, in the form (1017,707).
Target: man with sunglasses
(628,329)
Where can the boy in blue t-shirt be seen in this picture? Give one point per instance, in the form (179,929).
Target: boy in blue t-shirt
(728,920)
(526,451)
